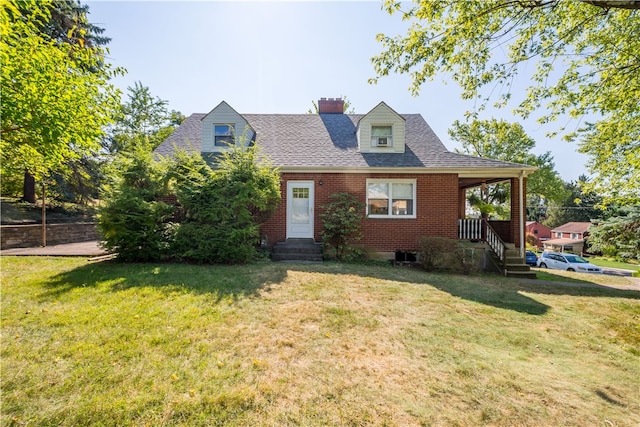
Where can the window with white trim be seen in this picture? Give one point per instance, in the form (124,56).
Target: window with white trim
(382,136)
(558,234)
(223,135)
(574,236)
(391,198)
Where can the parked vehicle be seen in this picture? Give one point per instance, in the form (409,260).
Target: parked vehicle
(569,262)
(531,258)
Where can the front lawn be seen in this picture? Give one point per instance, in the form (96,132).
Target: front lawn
(288,344)
(607,262)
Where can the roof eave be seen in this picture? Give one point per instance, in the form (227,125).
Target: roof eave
(461,172)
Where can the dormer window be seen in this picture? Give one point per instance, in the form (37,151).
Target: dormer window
(223,135)
(382,136)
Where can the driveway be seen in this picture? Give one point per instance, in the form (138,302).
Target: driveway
(89,249)
(616,271)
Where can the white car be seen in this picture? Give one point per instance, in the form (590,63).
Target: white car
(569,262)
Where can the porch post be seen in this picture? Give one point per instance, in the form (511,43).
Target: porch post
(521,211)
(462,203)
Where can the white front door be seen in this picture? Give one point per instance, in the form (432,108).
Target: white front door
(300,209)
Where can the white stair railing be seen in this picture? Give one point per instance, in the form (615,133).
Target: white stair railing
(479,229)
(496,243)
(470,229)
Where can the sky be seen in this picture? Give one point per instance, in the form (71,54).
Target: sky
(278,57)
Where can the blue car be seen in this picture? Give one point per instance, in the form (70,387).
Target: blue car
(531,258)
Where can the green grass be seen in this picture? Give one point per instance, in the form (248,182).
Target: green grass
(547,274)
(607,262)
(284,344)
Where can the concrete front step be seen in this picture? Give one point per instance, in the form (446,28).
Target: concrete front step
(514,261)
(521,274)
(296,257)
(517,267)
(297,250)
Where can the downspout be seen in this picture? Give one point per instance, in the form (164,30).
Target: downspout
(521,211)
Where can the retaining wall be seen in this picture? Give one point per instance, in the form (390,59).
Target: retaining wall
(26,236)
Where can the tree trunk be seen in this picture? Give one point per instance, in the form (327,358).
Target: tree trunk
(29,188)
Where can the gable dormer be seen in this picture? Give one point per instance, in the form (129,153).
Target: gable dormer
(381,130)
(224,127)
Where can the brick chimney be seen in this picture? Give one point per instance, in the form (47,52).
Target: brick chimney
(331,106)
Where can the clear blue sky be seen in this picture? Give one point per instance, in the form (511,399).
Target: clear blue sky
(276,57)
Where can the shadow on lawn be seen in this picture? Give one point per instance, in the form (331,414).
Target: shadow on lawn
(471,288)
(221,281)
(247,280)
(486,292)
(508,293)
(488,289)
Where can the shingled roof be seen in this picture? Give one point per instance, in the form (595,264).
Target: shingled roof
(573,227)
(329,142)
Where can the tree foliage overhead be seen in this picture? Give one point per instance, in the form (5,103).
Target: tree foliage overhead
(500,140)
(56,97)
(143,121)
(69,23)
(587,64)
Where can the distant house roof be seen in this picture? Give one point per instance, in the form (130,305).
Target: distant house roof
(573,227)
(329,141)
(528,223)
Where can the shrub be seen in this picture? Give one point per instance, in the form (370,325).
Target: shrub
(465,258)
(220,210)
(214,243)
(433,251)
(131,220)
(223,210)
(341,223)
(440,253)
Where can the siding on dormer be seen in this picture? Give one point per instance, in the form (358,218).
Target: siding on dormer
(381,115)
(223,114)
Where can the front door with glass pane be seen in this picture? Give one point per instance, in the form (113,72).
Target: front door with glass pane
(300,209)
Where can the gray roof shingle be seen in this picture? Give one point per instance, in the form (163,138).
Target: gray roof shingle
(329,141)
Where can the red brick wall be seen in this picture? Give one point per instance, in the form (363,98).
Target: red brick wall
(543,232)
(437,209)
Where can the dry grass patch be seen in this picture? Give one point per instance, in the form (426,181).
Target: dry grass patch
(285,344)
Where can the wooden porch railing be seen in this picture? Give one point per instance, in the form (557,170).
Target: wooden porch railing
(479,229)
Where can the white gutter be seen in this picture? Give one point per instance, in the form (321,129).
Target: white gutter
(461,172)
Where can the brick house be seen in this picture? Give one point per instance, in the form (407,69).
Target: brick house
(411,184)
(540,231)
(568,237)
(572,230)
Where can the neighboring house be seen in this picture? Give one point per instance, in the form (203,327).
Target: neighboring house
(411,184)
(568,237)
(540,231)
(571,230)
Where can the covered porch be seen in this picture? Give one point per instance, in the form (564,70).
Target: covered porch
(505,237)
